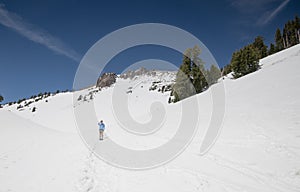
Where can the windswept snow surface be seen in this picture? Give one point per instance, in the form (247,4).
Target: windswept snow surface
(258,148)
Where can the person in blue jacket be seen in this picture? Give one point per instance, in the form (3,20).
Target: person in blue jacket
(101,129)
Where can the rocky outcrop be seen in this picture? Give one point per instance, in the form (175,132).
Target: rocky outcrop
(138,72)
(106,80)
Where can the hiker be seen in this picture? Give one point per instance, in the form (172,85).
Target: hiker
(101,129)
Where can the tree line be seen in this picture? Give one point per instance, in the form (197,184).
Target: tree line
(34,97)
(192,76)
(246,60)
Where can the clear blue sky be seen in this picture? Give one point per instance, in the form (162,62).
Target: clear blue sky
(42,42)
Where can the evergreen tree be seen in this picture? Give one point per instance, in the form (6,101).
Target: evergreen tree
(199,78)
(245,61)
(213,75)
(252,58)
(190,78)
(196,78)
(182,87)
(195,52)
(285,37)
(186,62)
(297,28)
(236,64)
(1,98)
(297,22)
(293,33)
(289,34)
(198,73)
(272,49)
(279,41)
(260,46)
(226,70)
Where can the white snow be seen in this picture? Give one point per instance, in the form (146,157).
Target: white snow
(258,148)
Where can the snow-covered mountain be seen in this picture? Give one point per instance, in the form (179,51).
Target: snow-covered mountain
(258,148)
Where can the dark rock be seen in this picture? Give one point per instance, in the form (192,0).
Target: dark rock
(106,80)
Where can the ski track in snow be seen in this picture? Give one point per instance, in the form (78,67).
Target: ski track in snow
(96,176)
(88,181)
(269,180)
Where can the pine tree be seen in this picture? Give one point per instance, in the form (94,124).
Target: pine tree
(285,37)
(236,64)
(198,73)
(297,22)
(186,62)
(272,49)
(289,34)
(199,77)
(260,46)
(279,41)
(297,28)
(190,78)
(183,85)
(213,75)
(1,98)
(253,57)
(245,61)
(226,70)
(293,33)
(196,78)
(203,77)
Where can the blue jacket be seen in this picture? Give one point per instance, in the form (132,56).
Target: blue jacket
(101,126)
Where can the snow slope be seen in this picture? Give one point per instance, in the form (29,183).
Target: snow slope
(258,148)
